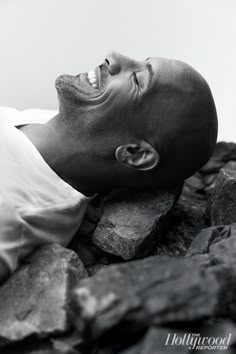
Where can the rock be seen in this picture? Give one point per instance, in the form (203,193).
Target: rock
(230,165)
(183,225)
(215,249)
(195,183)
(220,328)
(207,237)
(153,291)
(223,153)
(161,341)
(88,253)
(93,257)
(209,180)
(221,207)
(222,257)
(223,157)
(63,344)
(35,298)
(166,340)
(212,166)
(133,222)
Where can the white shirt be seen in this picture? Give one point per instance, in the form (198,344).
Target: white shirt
(36,205)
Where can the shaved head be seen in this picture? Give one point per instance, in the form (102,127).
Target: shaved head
(184,125)
(140,124)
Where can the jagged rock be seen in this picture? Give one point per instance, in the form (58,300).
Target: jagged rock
(93,257)
(201,244)
(35,298)
(63,344)
(183,225)
(194,184)
(161,341)
(213,166)
(220,328)
(223,153)
(88,253)
(230,165)
(147,292)
(215,249)
(132,222)
(221,207)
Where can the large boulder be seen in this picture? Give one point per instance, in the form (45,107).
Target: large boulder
(183,225)
(133,222)
(34,301)
(215,249)
(153,291)
(223,153)
(221,207)
(209,236)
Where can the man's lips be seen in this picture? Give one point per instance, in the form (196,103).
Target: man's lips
(96,78)
(81,82)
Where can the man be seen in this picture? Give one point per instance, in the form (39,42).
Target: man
(140,124)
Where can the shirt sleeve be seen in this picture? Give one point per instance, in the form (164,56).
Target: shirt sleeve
(11,238)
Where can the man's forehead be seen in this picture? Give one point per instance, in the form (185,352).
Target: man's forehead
(169,71)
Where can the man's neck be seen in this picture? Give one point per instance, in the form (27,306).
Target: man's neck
(49,142)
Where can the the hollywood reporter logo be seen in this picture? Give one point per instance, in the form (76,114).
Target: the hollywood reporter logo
(197,342)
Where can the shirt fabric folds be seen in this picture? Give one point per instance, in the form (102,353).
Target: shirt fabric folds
(36,205)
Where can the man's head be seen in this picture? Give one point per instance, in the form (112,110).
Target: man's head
(138,123)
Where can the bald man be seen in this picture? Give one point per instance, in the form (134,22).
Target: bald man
(140,124)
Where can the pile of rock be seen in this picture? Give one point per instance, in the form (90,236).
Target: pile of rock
(155,276)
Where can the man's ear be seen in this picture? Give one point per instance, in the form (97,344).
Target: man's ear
(141,156)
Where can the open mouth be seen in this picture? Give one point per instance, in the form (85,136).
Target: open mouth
(93,79)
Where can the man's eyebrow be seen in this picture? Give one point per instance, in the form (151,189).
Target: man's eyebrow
(151,73)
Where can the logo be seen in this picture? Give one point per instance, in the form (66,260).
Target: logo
(197,342)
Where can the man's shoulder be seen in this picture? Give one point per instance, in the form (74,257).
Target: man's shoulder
(8,114)
(16,117)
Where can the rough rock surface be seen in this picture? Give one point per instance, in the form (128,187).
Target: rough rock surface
(34,300)
(207,237)
(215,248)
(221,207)
(183,225)
(156,290)
(133,222)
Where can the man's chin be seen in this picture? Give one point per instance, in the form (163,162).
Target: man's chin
(64,82)
(70,91)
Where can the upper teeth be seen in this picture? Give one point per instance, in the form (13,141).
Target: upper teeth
(92,78)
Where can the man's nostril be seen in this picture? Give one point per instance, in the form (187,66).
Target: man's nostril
(107,61)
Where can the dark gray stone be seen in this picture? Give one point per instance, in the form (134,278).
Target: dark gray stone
(35,298)
(221,207)
(195,183)
(223,153)
(213,166)
(159,340)
(132,222)
(183,225)
(223,259)
(215,250)
(207,237)
(230,165)
(153,291)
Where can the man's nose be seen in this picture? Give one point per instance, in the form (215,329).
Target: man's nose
(113,63)
(116,62)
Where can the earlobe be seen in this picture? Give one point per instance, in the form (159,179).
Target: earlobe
(142,156)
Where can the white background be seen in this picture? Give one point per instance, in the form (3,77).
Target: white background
(41,39)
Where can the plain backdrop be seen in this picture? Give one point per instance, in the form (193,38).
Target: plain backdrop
(41,39)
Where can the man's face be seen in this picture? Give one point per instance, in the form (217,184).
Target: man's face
(116,98)
(163,102)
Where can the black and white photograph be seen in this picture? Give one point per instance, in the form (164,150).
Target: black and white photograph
(117,176)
